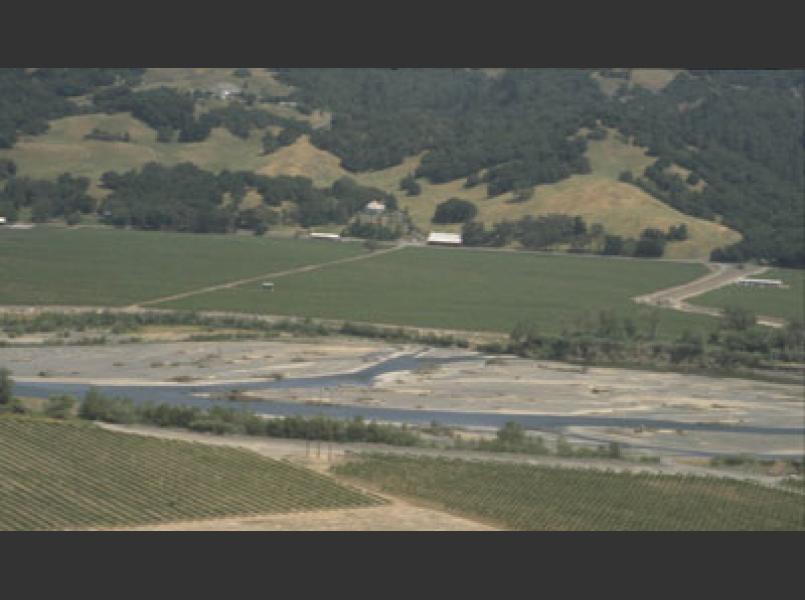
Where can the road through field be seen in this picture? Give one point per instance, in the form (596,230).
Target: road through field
(273,275)
(720,275)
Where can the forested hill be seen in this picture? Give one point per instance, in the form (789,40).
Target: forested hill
(728,144)
(740,132)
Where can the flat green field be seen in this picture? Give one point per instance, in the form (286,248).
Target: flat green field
(464,289)
(785,303)
(65,475)
(97,266)
(527,497)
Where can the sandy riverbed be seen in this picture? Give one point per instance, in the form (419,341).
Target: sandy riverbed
(510,385)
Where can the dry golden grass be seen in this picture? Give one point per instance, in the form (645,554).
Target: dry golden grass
(608,85)
(653,79)
(623,209)
(303,158)
(64,149)
(683,173)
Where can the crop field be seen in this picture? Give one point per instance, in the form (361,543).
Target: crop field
(785,303)
(464,289)
(72,475)
(527,497)
(98,266)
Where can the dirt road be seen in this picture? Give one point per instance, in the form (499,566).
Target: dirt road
(272,275)
(320,456)
(719,276)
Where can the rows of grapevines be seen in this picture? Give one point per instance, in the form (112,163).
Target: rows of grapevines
(530,497)
(56,475)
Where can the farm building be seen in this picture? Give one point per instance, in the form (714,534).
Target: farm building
(750,282)
(325,236)
(2,220)
(227,90)
(374,207)
(449,239)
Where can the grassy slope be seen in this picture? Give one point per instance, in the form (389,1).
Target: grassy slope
(786,303)
(599,197)
(528,497)
(464,289)
(63,149)
(56,475)
(48,265)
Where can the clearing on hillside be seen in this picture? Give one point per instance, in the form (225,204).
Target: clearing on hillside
(528,497)
(99,266)
(74,475)
(465,289)
(259,81)
(787,303)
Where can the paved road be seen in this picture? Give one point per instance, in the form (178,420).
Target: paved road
(719,276)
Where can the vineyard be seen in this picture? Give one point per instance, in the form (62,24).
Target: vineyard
(65,475)
(527,497)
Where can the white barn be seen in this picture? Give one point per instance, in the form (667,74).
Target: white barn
(325,236)
(750,282)
(375,207)
(448,239)
(2,220)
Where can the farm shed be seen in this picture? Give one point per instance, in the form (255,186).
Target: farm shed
(2,220)
(325,236)
(750,282)
(374,207)
(226,90)
(449,239)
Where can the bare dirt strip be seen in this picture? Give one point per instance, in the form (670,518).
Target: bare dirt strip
(272,275)
(397,516)
(720,275)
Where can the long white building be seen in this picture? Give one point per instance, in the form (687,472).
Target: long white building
(752,282)
(450,239)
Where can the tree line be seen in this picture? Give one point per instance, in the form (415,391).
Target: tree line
(29,98)
(187,198)
(549,231)
(736,344)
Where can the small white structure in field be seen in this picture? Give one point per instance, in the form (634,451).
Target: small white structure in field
(449,239)
(2,220)
(224,91)
(750,282)
(375,207)
(325,236)
(268,286)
